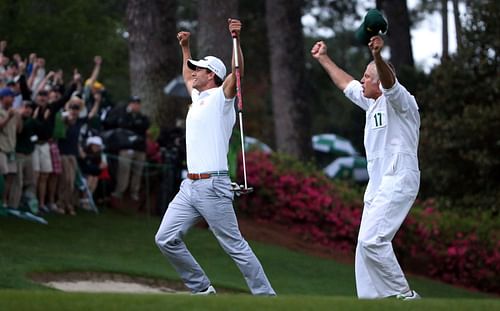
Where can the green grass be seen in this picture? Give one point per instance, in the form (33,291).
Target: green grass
(112,242)
(36,300)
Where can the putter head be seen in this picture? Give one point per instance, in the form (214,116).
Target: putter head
(240,189)
(246,190)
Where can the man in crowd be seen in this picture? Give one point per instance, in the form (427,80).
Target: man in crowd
(69,149)
(207,192)
(132,154)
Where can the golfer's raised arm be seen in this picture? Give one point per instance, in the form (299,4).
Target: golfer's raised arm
(230,82)
(183,37)
(339,77)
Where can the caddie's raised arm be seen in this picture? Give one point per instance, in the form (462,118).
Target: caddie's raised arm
(339,77)
(229,84)
(385,73)
(183,37)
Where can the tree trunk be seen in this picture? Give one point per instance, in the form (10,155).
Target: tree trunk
(398,35)
(444,30)
(290,109)
(458,25)
(213,37)
(154,56)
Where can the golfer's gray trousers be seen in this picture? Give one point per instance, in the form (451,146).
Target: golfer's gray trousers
(211,199)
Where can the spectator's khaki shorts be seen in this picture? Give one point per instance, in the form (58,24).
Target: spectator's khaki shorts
(41,158)
(7,166)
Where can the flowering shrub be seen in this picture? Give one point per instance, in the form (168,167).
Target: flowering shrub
(452,252)
(311,205)
(308,204)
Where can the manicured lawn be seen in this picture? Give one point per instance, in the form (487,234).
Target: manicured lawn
(112,242)
(45,300)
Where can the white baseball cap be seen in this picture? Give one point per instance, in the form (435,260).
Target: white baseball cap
(209,62)
(96,140)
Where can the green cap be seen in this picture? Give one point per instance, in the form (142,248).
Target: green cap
(373,24)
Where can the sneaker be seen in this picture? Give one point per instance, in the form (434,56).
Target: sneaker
(71,210)
(411,295)
(209,291)
(85,205)
(53,208)
(44,209)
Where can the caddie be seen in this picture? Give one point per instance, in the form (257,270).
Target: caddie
(391,139)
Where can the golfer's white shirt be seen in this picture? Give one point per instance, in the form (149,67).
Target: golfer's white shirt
(209,125)
(391,131)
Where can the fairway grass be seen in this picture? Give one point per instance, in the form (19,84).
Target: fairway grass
(116,243)
(46,300)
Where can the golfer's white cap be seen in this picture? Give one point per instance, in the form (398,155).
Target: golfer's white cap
(96,140)
(211,63)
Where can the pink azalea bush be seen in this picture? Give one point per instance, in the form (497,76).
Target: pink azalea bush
(448,247)
(429,243)
(308,203)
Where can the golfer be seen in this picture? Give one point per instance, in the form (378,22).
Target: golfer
(206,193)
(391,140)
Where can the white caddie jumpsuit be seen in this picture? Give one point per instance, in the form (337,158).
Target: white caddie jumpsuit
(391,142)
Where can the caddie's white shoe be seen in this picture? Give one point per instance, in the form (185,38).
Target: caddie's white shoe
(411,295)
(209,291)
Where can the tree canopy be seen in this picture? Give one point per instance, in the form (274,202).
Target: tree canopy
(69,34)
(460,138)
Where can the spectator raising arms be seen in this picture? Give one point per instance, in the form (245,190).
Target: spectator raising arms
(24,180)
(10,124)
(45,113)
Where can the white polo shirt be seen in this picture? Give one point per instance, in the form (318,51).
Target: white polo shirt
(391,131)
(209,125)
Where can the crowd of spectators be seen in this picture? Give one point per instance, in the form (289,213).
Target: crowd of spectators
(52,135)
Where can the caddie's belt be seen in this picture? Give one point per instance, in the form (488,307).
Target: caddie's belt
(206,175)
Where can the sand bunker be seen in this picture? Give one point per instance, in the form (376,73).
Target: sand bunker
(105,287)
(96,282)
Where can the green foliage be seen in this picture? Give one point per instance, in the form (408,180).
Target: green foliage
(286,163)
(450,223)
(460,137)
(68,34)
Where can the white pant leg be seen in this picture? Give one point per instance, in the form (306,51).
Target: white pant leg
(382,217)
(215,203)
(179,217)
(364,284)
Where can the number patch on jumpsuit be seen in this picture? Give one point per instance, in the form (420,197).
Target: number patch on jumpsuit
(378,120)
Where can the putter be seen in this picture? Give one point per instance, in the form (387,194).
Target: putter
(240,189)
